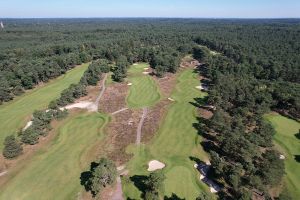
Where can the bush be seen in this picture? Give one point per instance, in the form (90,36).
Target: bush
(12,148)
(30,136)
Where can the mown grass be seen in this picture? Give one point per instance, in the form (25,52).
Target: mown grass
(54,172)
(288,143)
(176,141)
(144,91)
(15,114)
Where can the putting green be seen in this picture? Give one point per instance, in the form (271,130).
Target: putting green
(144,91)
(289,145)
(54,172)
(174,143)
(15,114)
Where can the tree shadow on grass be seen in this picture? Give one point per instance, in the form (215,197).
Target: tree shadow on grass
(297,135)
(173,197)
(297,158)
(85,177)
(139,182)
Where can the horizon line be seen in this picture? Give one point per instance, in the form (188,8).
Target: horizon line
(149,17)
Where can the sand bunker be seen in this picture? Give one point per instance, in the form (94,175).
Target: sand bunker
(155,165)
(146,72)
(199,87)
(146,68)
(281,157)
(27,125)
(90,106)
(129,84)
(170,99)
(135,63)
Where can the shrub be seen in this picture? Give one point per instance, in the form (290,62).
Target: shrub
(12,148)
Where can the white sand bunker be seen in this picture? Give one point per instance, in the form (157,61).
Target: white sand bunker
(129,84)
(135,63)
(199,87)
(146,68)
(170,99)
(90,106)
(146,72)
(281,157)
(27,125)
(155,165)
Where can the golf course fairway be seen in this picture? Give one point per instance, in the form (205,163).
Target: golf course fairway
(176,141)
(16,113)
(144,91)
(289,144)
(54,172)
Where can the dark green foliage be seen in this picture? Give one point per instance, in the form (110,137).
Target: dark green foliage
(30,136)
(201,53)
(155,185)
(12,147)
(101,174)
(203,196)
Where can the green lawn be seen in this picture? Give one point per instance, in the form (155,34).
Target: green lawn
(15,114)
(144,91)
(174,143)
(54,172)
(289,145)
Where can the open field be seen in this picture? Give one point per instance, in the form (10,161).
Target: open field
(144,91)
(54,172)
(289,144)
(16,113)
(174,143)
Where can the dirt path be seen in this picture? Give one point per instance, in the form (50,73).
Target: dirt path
(101,92)
(118,111)
(139,128)
(118,193)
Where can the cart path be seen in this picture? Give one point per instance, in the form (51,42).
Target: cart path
(118,111)
(140,125)
(101,92)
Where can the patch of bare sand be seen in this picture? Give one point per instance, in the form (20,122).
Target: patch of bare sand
(154,165)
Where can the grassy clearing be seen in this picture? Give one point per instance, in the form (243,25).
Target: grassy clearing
(174,143)
(288,143)
(54,172)
(15,114)
(144,91)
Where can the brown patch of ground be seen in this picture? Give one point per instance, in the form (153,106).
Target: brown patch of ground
(153,120)
(205,113)
(166,84)
(121,132)
(114,98)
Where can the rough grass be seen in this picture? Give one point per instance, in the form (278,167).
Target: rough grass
(173,145)
(54,173)
(289,144)
(15,114)
(144,91)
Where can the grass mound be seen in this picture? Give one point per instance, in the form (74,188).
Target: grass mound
(54,173)
(15,114)
(288,143)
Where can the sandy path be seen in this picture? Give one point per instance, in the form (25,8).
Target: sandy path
(118,194)
(139,128)
(90,106)
(101,92)
(3,173)
(118,111)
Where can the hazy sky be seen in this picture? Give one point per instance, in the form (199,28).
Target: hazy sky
(151,8)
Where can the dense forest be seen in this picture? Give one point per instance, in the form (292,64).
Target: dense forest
(256,70)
